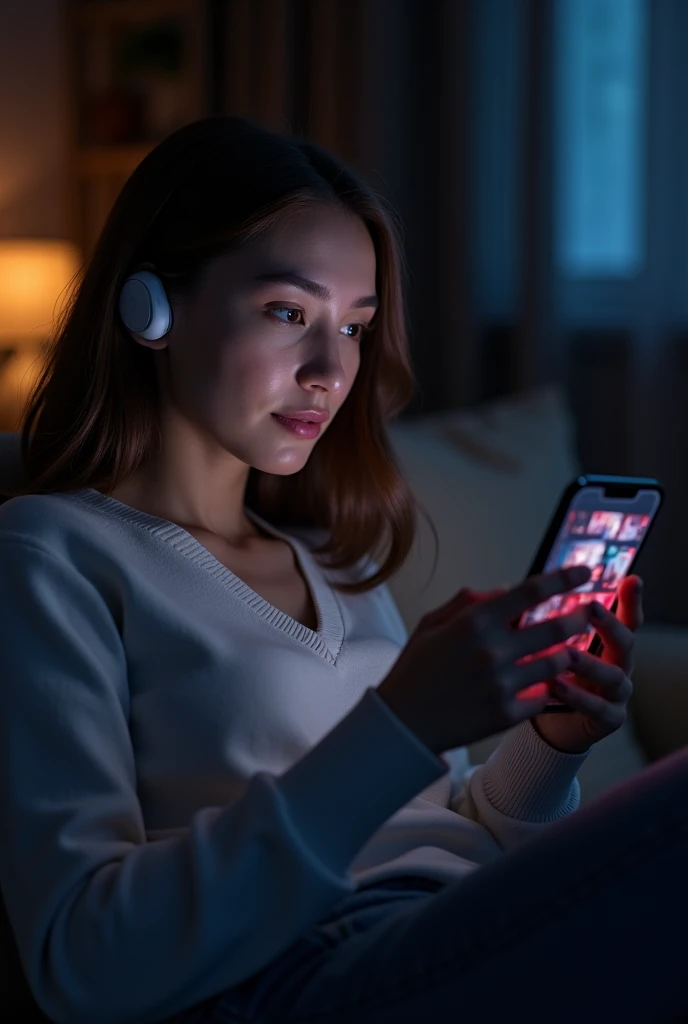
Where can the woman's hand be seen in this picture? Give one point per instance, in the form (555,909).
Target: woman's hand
(599,687)
(461,675)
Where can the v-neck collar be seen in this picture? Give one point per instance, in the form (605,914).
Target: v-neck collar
(328,638)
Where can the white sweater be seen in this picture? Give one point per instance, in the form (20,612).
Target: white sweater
(190,778)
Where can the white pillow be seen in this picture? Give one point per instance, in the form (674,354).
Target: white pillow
(490,477)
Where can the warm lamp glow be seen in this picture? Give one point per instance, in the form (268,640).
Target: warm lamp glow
(34,275)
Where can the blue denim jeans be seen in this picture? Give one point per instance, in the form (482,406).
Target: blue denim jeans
(586,922)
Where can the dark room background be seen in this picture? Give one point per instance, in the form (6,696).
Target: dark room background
(534,150)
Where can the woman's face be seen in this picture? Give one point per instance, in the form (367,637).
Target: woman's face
(242,348)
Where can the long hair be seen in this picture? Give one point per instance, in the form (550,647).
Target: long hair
(91,418)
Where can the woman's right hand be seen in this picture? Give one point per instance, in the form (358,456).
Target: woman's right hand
(456,680)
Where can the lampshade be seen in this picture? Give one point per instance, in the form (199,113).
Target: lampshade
(34,274)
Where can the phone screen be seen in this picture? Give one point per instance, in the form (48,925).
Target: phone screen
(605,535)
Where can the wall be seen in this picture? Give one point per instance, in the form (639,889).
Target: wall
(33,119)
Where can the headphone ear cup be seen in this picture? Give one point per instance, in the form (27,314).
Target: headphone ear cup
(144,306)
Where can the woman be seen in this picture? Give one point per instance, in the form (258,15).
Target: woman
(224,794)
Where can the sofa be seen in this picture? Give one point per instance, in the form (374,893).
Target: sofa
(489,477)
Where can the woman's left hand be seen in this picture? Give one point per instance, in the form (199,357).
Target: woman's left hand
(598,687)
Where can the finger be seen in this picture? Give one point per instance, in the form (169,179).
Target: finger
(534,591)
(546,634)
(538,670)
(591,704)
(630,610)
(618,639)
(526,705)
(610,680)
(486,595)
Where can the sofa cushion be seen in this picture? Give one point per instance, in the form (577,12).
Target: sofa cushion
(490,477)
(660,680)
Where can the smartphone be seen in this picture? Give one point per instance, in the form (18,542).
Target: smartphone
(601,522)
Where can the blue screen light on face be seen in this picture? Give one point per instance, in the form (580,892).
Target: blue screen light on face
(602,49)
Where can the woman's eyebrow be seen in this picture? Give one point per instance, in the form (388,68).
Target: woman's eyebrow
(318,291)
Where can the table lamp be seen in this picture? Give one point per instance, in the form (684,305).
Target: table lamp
(34,275)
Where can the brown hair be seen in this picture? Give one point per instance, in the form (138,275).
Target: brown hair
(90,420)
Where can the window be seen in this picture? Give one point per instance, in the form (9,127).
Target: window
(601,57)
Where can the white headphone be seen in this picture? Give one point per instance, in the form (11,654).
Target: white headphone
(144,306)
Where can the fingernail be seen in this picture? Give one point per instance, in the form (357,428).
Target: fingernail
(574,656)
(596,610)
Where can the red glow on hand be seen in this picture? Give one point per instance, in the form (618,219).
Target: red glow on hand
(533,692)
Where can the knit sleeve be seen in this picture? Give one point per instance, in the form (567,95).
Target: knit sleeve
(108,925)
(523,786)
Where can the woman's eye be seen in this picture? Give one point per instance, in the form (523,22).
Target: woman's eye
(362,329)
(286,309)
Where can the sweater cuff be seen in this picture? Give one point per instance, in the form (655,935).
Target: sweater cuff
(527,779)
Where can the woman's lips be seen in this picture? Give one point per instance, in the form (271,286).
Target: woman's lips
(299,427)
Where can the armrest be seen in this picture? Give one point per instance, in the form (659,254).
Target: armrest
(659,706)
